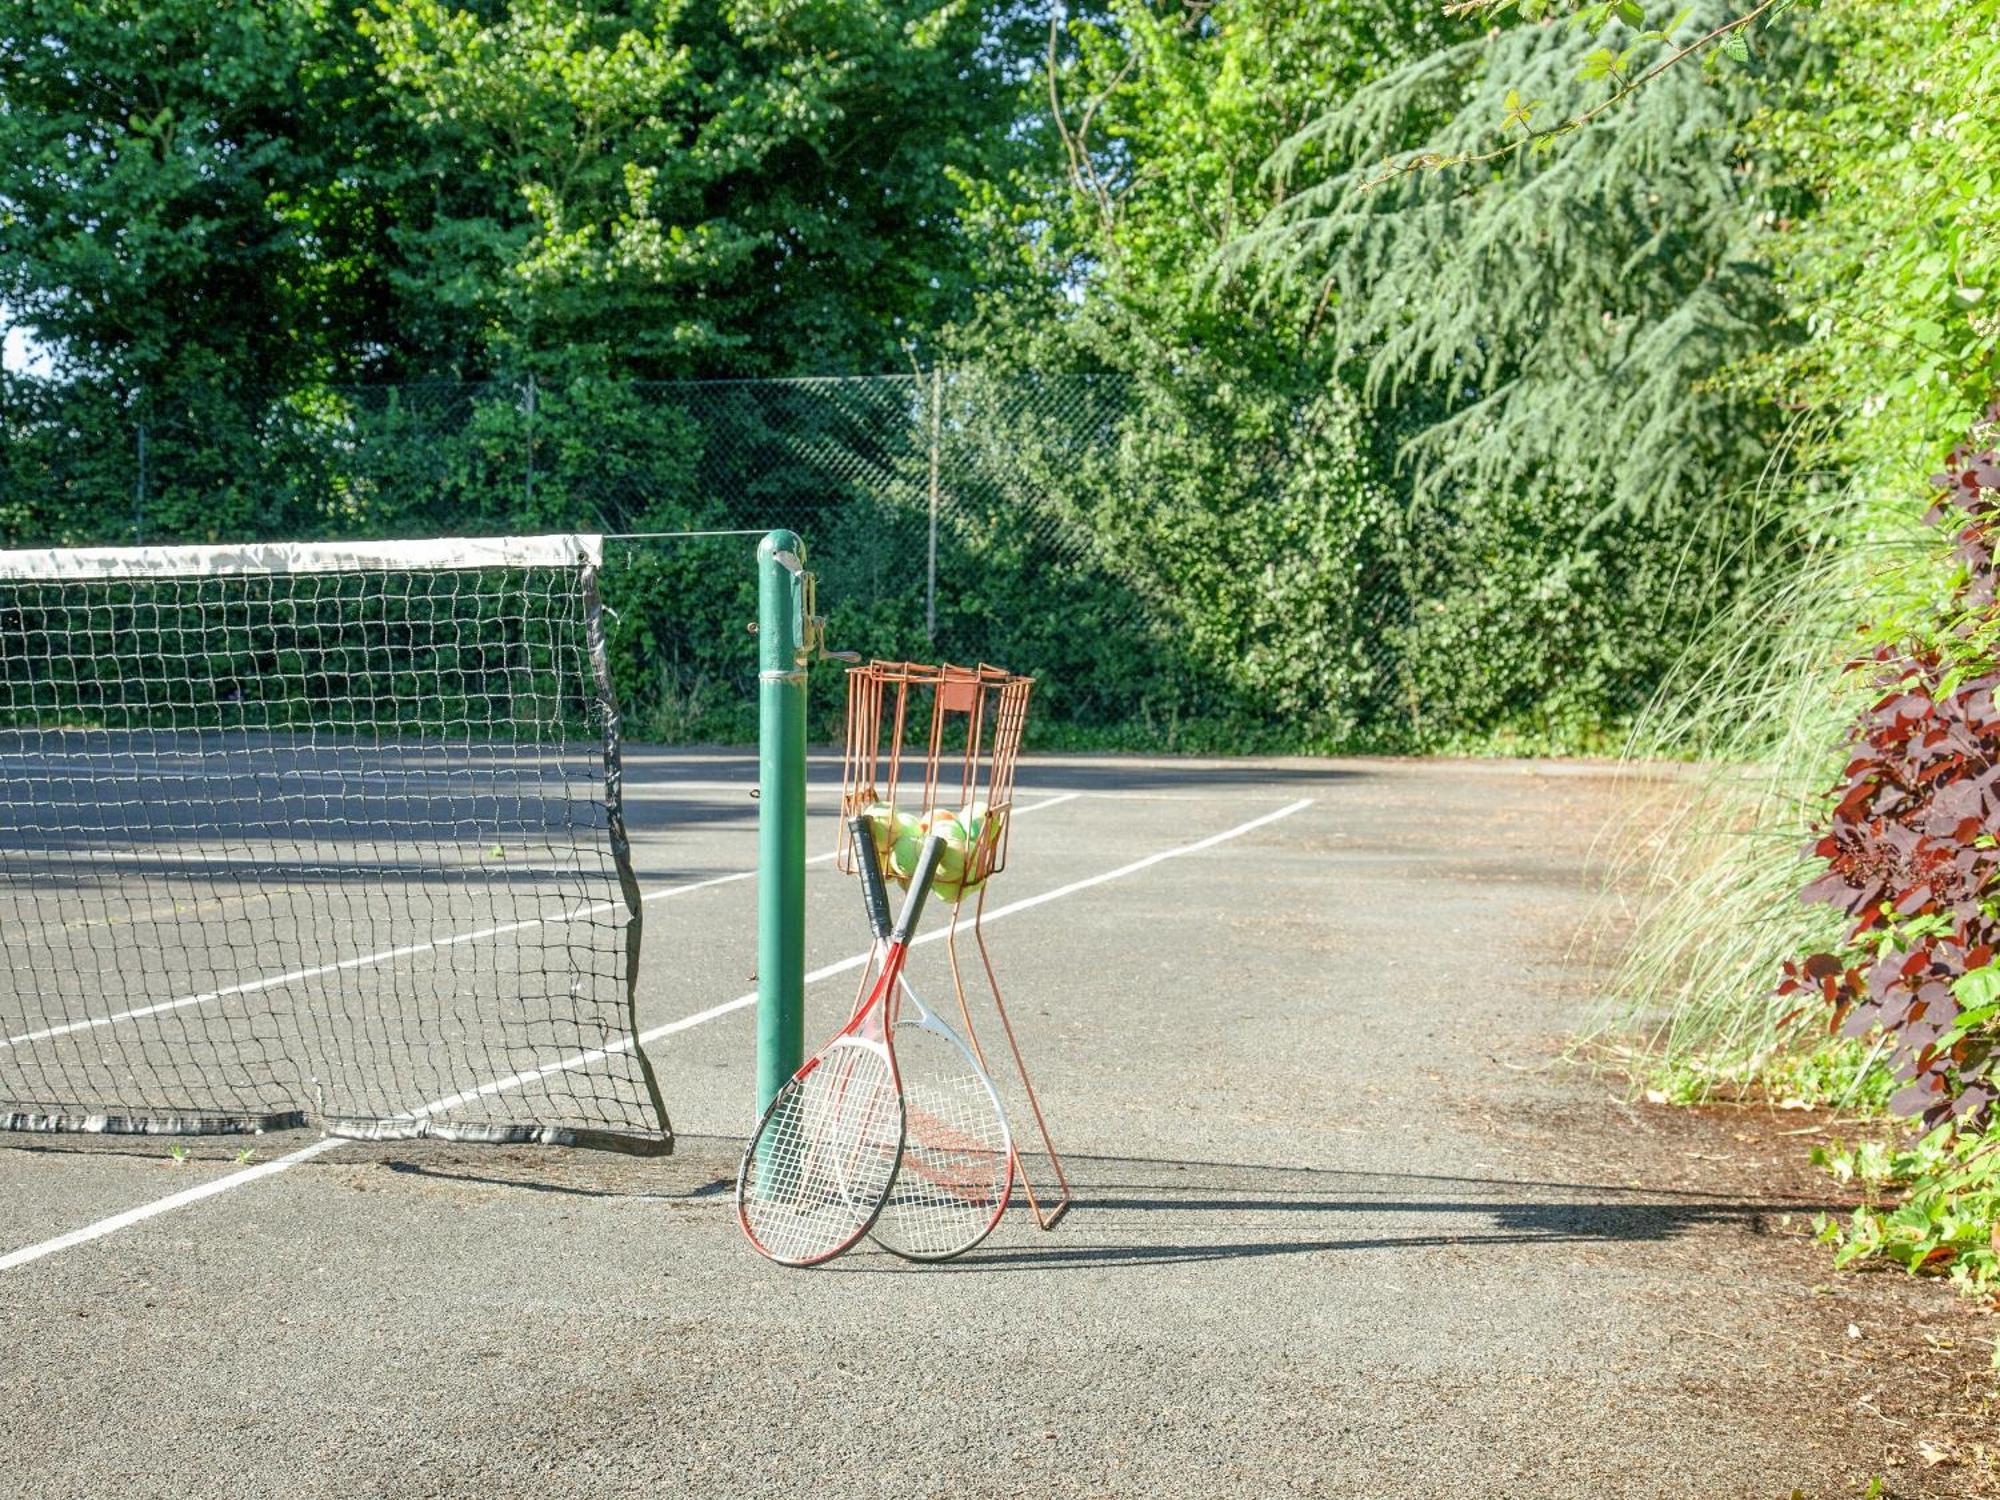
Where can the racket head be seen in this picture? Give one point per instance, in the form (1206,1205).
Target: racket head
(957,1168)
(825,1156)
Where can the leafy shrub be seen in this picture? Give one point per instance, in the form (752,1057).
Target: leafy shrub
(1948,1214)
(1911,845)
(1841,1076)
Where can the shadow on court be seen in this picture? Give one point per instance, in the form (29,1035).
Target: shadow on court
(1133,1211)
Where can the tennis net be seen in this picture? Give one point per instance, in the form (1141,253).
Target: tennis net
(317,834)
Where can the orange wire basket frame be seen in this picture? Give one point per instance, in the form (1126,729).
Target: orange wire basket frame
(951,735)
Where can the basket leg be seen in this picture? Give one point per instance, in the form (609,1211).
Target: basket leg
(1046,1217)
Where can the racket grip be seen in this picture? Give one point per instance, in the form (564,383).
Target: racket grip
(874,893)
(920,887)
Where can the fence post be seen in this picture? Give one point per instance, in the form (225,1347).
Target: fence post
(528,476)
(781,812)
(930,588)
(139,491)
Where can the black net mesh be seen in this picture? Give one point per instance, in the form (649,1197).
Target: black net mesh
(296,837)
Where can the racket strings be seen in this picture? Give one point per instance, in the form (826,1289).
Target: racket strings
(956,1169)
(824,1158)
(944,1146)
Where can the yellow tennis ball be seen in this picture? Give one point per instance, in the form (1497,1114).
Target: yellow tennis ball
(983,846)
(881,818)
(905,853)
(972,819)
(951,863)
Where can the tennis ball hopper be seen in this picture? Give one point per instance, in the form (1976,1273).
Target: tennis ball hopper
(931,751)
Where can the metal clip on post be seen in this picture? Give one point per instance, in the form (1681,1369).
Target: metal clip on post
(812,640)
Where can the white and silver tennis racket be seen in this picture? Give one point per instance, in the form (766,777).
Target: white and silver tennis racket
(957,1167)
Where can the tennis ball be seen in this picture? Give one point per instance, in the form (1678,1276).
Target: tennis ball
(957,847)
(882,823)
(988,828)
(972,818)
(905,853)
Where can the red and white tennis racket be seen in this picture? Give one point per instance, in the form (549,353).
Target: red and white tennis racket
(824,1157)
(957,1166)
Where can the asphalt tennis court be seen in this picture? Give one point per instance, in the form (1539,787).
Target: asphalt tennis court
(1292,1021)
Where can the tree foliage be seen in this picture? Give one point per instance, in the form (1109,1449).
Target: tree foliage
(1895,270)
(676,186)
(194,195)
(1426,468)
(1567,311)
(1525,366)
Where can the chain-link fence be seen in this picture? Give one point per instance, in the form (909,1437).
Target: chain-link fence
(1181,566)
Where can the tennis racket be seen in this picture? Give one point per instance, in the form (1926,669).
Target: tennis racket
(957,1167)
(824,1156)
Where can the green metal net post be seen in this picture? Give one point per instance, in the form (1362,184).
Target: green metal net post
(781,817)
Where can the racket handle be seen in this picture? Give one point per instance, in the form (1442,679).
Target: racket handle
(920,887)
(861,829)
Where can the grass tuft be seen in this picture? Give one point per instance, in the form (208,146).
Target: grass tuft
(1703,874)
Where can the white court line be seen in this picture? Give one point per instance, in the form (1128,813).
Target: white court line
(131,1216)
(168,1204)
(369,960)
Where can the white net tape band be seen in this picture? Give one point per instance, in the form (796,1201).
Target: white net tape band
(564,551)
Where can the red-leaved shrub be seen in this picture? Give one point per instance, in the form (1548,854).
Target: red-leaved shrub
(1912,844)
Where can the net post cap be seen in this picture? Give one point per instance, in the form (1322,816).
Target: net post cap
(779,544)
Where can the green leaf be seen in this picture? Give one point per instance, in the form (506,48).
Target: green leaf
(1602,62)
(1978,989)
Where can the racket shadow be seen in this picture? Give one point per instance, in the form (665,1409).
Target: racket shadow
(1149,1211)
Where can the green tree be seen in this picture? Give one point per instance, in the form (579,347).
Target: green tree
(1152,123)
(1238,493)
(1895,271)
(210,212)
(193,209)
(185,191)
(1567,311)
(1480,568)
(681,186)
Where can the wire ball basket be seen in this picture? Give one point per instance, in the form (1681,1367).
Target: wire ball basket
(933,749)
(928,743)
